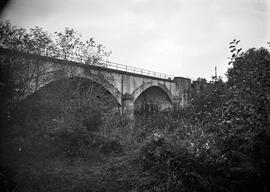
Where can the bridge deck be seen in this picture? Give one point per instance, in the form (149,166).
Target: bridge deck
(101,64)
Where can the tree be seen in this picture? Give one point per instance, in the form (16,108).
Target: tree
(236,116)
(20,73)
(249,83)
(245,113)
(68,45)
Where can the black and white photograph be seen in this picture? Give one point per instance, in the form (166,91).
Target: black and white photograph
(134,95)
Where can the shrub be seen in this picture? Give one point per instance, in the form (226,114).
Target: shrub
(79,142)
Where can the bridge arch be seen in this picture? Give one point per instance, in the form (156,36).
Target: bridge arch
(153,94)
(98,79)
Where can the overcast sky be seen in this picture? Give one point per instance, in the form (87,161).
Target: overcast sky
(185,38)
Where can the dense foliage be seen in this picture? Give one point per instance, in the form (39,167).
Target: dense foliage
(228,140)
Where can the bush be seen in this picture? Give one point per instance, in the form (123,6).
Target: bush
(79,142)
(167,166)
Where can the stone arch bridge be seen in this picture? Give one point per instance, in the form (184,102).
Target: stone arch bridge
(132,87)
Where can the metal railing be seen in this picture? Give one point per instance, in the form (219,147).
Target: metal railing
(117,66)
(113,65)
(126,68)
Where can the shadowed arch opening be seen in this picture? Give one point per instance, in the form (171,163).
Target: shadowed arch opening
(98,79)
(73,102)
(153,98)
(76,88)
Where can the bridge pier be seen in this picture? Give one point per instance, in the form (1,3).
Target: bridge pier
(128,106)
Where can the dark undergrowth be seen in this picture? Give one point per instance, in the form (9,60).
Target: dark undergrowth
(58,162)
(157,160)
